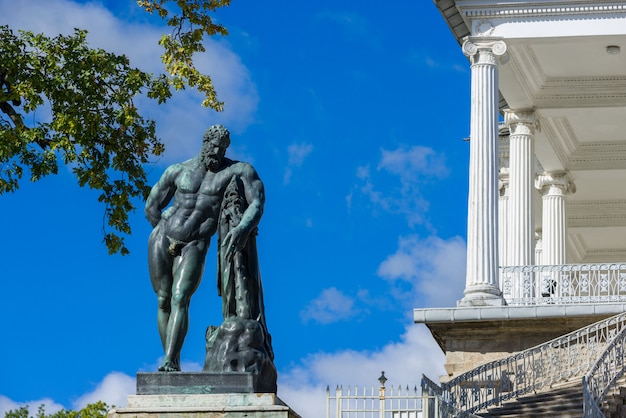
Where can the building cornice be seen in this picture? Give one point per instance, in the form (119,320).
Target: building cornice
(516,9)
(596,213)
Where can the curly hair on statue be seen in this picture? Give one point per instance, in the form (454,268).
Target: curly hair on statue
(217,133)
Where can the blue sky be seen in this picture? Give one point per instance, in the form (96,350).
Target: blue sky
(354,115)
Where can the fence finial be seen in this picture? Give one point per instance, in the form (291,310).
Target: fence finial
(382,379)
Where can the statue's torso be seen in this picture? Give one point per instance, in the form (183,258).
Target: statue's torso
(195,212)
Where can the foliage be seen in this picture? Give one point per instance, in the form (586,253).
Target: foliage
(94,126)
(94,410)
(189,27)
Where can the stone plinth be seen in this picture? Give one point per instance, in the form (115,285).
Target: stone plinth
(197,383)
(227,405)
(201,394)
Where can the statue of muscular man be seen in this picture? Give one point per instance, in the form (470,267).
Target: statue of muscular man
(182,233)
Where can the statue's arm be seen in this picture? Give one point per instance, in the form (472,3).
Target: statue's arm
(161,194)
(255,197)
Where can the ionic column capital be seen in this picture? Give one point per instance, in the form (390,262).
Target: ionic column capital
(485,50)
(521,122)
(555,184)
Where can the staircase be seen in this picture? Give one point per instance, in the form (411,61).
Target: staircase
(547,379)
(563,401)
(615,402)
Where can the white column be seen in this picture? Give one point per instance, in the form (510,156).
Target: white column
(503,215)
(481,280)
(554,187)
(503,229)
(521,236)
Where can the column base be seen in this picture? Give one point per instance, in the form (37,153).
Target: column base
(482,295)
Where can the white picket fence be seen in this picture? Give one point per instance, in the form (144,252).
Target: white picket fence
(381,402)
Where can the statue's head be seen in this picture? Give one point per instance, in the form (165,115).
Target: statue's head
(214,143)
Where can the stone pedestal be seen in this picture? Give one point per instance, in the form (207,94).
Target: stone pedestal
(227,405)
(197,383)
(201,394)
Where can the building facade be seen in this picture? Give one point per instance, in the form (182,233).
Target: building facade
(546,239)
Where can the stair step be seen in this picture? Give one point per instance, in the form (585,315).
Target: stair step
(564,401)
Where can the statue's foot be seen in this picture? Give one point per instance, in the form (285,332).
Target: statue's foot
(168,366)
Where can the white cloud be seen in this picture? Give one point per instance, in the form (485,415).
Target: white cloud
(433,268)
(112,390)
(297,153)
(7,405)
(409,163)
(331,305)
(181,121)
(412,168)
(426,272)
(303,387)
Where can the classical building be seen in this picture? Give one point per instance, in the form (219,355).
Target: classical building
(545,287)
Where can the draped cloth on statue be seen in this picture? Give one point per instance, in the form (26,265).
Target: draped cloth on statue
(238,275)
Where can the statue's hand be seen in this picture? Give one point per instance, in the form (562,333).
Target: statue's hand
(234,241)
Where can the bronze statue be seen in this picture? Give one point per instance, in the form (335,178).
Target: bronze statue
(210,192)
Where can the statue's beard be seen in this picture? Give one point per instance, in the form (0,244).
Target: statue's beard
(212,163)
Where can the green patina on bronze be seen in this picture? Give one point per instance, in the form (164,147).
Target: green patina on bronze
(210,193)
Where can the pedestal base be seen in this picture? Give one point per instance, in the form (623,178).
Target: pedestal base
(197,383)
(226,405)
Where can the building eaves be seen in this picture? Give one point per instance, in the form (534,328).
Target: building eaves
(453,19)
(459,29)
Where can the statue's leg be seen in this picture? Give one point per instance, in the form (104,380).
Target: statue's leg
(160,267)
(187,269)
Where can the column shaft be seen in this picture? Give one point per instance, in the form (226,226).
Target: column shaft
(554,187)
(481,287)
(503,218)
(521,240)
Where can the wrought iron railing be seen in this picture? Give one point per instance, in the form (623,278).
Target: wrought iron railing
(591,409)
(603,375)
(564,284)
(438,405)
(556,361)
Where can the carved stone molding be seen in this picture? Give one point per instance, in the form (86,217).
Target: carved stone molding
(577,155)
(521,122)
(485,50)
(525,10)
(555,183)
(581,91)
(482,28)
(596,213)
(581,253)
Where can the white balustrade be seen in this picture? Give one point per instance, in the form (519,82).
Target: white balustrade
(564,284)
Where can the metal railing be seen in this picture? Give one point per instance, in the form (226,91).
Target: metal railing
(439,406)
(381,402)
(556,361)
(603,375)
(564,284)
